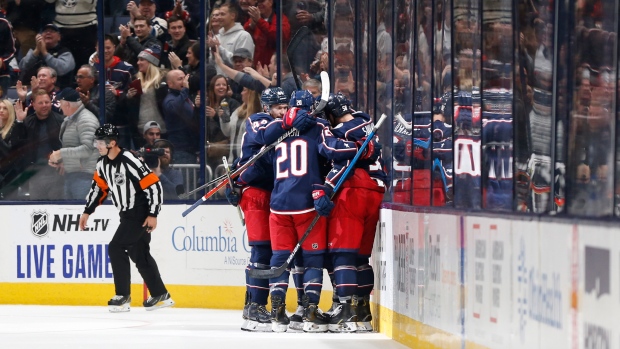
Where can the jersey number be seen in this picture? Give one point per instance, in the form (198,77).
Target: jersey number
(295,155)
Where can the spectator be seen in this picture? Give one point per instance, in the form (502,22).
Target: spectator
(12,138)
(263,26)
(188,23)
(88,90)
(171,178)
(45,80)
(214,21)
(252,79)
(151,132)
(48,52)
(313,86)
(175,50)
(153,89)
(77,23)
(7,52)
(192,68)
(178,113)
(43,130)
(118,73)
(288,80)
(219,106)
(78,157)
(244,6)
(231,36)
(241,58)
(158,27)
(26,18)
(235,128)
(131,46)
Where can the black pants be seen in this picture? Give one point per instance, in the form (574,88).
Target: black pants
(132,241)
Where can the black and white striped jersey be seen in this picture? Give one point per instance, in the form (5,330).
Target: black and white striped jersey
(131,183)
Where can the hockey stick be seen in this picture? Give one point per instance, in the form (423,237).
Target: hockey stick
(208,184)
(299,37)
(265,150)
(230,181)
(275,272)
(402,121)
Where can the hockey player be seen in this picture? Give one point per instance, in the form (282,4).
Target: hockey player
(297,166)
(137,194)
(255,184)
(354,215)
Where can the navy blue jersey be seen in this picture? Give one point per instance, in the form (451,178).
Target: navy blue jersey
(297,165)
(354,130)
(260,174)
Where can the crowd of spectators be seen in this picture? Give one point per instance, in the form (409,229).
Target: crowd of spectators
(49,83)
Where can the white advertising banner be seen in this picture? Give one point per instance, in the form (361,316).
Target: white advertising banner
(381,260)
(541,284)
(488,281)
(408,260)
(442,302)
(599,296)
(44,244)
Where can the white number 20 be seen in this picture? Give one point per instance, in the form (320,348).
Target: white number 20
(297,154)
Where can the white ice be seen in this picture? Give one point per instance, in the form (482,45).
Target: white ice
(51,327)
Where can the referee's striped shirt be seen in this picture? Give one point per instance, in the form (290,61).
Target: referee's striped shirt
(129,180)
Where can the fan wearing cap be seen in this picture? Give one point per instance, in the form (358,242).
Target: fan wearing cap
(78,157)
(151,132)
(77,23)
(153,89)
(48,52)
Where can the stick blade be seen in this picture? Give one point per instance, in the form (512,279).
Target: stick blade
(267,273)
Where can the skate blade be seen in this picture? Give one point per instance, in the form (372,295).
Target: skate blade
(364,326)
(296,326)
(255,326)
(163,304)
(345,327)
(311,327)
(119,308)
(276,327)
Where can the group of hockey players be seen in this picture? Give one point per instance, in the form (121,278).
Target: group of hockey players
(281,195)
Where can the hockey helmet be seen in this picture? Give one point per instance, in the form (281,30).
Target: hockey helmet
(107,131)
(302,99)
(338,105)
(271,96)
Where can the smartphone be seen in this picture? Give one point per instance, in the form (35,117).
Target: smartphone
(302,6)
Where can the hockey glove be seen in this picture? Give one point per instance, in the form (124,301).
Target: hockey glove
(372,151)
(299,119)
(233,194)
(322,202)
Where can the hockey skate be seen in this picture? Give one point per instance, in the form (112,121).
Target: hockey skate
(343,318)
(335,303)
(119,304)
(314,319)
(279,319)
(364,317)
(297,319)
(246,306)
(259,319)
(158,302)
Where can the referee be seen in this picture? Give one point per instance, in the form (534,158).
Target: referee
(137,194)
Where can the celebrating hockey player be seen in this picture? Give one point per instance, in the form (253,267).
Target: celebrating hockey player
(137,194)
(353,218)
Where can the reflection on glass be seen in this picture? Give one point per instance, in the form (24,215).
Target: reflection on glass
(402,149)
(497,33)
(591,119)
(467,104)
(442,152)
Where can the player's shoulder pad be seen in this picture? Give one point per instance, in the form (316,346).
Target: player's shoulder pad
(359,114)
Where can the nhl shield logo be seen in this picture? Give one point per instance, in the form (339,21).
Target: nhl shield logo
(119,178)
(38,223)
(315,246)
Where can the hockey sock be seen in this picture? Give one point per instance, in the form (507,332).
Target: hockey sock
(279,285)
(259,259)
(365,279)
(313,277)
(298,277)
(345,275)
